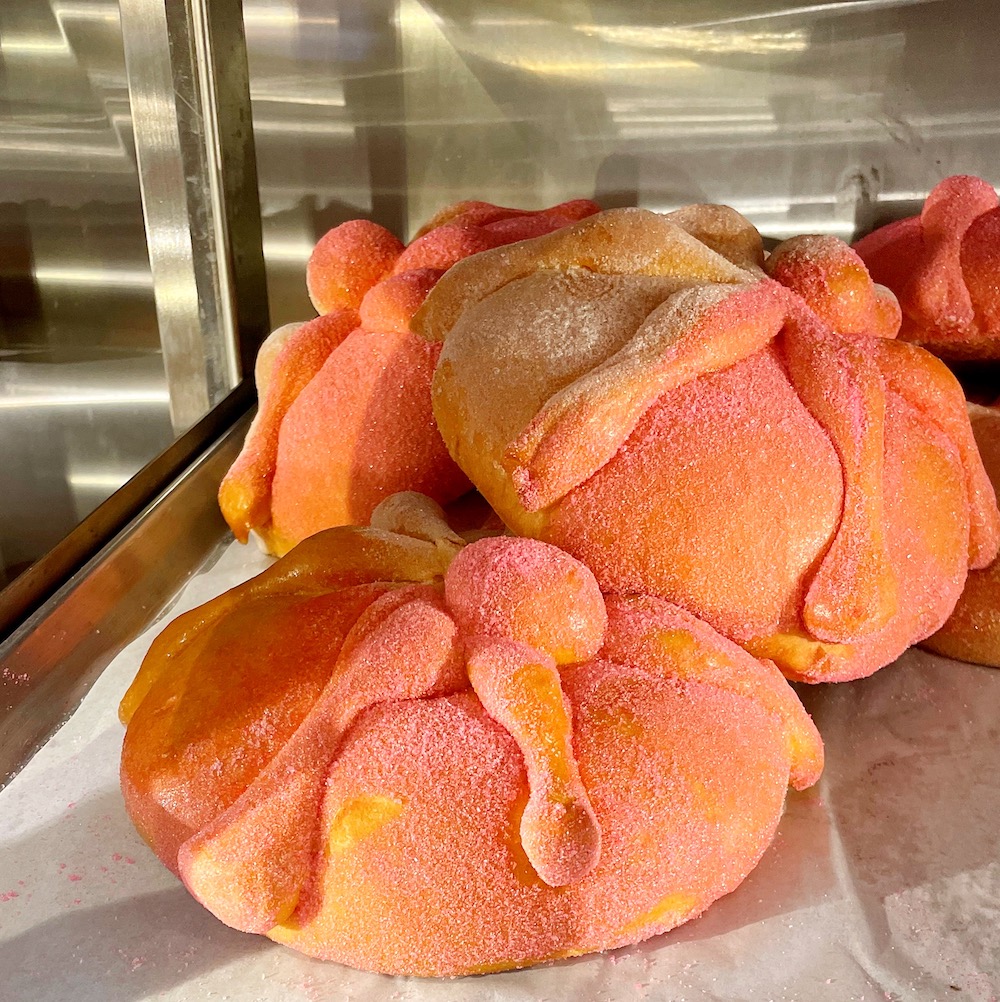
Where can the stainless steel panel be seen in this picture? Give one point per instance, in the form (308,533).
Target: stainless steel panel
(83,396)
(194,145)
(826,117)
(804,117)
(85,400)
(71,433)
(49,663)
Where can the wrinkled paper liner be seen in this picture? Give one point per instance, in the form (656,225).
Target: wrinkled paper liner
(883,882)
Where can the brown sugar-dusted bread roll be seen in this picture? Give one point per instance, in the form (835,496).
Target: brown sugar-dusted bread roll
(417,756)
(635,390)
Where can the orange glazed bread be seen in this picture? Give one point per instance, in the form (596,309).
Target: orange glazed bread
(345,418)
(635,390)
(943,267)
(972,632)
(417,756)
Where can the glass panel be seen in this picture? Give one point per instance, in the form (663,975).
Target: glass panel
(83,395)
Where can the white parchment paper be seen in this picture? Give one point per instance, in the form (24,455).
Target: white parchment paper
(883,883)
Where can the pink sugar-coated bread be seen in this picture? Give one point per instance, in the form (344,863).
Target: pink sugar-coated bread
(835,283)
(972,632)
(635,390)
(345,417)
(347,261)
(419,756)
(943,266)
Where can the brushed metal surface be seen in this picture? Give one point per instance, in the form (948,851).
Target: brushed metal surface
(48,664)
(83,395)
(71,434)
(826,117)
(194,147)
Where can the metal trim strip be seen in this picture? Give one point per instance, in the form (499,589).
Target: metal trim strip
(49,663)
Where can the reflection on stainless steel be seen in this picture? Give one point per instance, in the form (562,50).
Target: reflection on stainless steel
(64,429)
(326,84)
(826,116)
(49,663)
(83,396)
(198,182)
(807,117)
(822,117)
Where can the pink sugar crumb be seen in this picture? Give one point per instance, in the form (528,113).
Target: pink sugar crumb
(9,896)
(75,877)
(117,857)
(523,228)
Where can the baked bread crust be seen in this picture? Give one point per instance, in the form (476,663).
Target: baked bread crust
(687,427)
(417,756)
(972,632)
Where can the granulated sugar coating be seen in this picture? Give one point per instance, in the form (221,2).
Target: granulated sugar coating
(350,420)
(442,247)
(431,793)
(942,266)
(347,262)
(617,242)
(293,357)
(389,305)
(972,632)
(530,592)
(712,439)
(677,511)
(833,280)
(357,433)
(488,215)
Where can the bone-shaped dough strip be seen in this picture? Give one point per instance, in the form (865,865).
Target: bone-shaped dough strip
(284,369)
(616,242)
(277,817)
(853,591)
(519,687)
(665,640)
(936,293)
(335,558)
(694,332)
(927,384)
